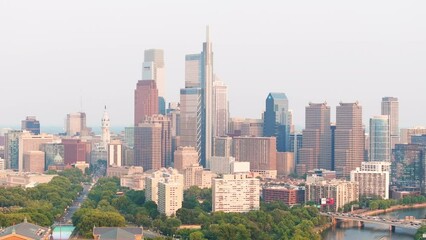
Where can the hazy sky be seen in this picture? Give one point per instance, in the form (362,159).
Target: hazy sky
(54,53)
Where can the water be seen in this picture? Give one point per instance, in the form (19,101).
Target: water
(62,232)
(350,230)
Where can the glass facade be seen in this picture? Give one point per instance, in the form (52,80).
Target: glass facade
(380,139)
(276,120)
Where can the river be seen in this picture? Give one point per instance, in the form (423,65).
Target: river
(350,230)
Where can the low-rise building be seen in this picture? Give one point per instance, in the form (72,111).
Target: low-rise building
(27,180)
(118,233)
(116,171)
(25,230)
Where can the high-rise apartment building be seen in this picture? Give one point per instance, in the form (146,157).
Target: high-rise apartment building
(165,187)
(373,179)
(147,148)
(195,175)
(336,193)
(146,100)
(349,138)
(285,163)
(259,151)
(276,120)
(316,148)
(390,108)
(235,193)
(31,124)
(221,108)
(246,127)
(380,139)
(76,124)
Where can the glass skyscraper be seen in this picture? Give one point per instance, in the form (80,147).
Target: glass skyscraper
(276,120)
(380,147)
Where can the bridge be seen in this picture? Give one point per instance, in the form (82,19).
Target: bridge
(361,219)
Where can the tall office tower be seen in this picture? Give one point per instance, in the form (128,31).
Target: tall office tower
(33,162)
(221,108)
(76,124)
(407,164)
(316,148)
(115,153)
(373,179)
(153,69)
(31,124)
(276,119)
(349,138)
(106,135)
(380,143)
(190,119)
(390,107)
(11,149)
(29,142)
(235,193)
(259,151)
(161,105)
(290,121)
(199,75)
(222,147)
(173,112)
(146,100)
(184,157)
(296,143)
(166,138)
(333,146)
(147,148)
(129,136)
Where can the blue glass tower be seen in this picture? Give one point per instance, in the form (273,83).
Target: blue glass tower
(276,120)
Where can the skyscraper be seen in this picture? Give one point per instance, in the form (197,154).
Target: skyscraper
(380,148)
(76,124)
(316,148)
(199,80)
(146,100)
(106,135)
(190,118)
(166,138)
(31,124)
(349,138)
(147,148)
(153,69)
(276,120)
(220,99)
(390,107)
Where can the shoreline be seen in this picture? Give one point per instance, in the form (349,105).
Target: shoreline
(392,209)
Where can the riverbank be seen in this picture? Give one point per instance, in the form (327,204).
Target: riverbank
(392,209)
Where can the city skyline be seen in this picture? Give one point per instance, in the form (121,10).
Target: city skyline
(71,62)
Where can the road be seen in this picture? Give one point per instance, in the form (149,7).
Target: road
(66,218)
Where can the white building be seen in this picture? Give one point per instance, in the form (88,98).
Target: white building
(373,179)
(106,134)
(236,193)
(165,187)
(221,107)
(115,153)
(228,165)
(2,164)
(195,175)
(153,69)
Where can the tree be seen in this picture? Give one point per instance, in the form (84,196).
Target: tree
(196,236)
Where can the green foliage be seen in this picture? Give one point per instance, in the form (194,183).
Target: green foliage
(419,233)
(42,204)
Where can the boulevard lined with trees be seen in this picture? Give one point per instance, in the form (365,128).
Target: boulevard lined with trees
(43,204)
